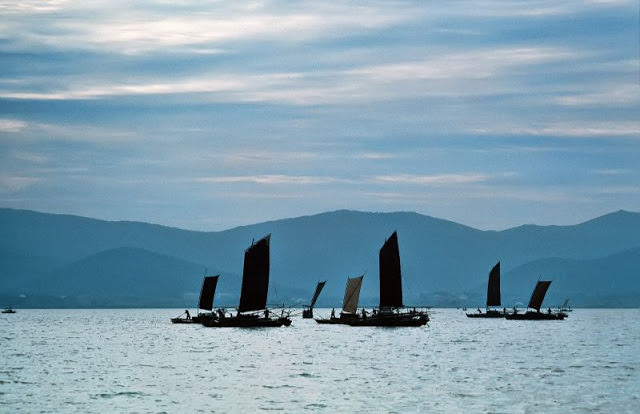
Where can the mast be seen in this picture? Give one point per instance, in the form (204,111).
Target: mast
(207,292)
(255,276)
(352,294)
(493,288)
(538,294)
(390,274)
(317,293)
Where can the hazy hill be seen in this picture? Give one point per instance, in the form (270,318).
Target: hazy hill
(443,262)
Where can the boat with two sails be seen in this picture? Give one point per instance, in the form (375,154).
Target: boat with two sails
(252,311)
(391,310)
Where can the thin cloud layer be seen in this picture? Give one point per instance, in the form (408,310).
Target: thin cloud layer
(258,110)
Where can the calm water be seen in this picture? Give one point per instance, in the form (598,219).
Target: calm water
(97,361)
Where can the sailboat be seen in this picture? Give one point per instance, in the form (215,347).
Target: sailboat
(349,303)
(535,303)
(565,307)
(493,296)
(207,292)
(389,312)
(252,310)
(9,310)
(307,313)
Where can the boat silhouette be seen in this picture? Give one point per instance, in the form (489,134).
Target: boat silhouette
(252,311)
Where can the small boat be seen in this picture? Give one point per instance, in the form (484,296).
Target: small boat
(391,311)
(565,307)
(9,310)
(535,303)
(207,293)
(307,313)
(493,297)
(349,303)
(252,311)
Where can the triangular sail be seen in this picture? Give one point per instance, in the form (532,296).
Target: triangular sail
(493,289)
(317,293)
(538,294)
(207,292)
(352,294)
(390,274)
(255,276)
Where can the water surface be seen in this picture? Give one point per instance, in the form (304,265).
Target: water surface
(96,361)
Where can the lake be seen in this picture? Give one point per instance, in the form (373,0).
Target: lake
(136,361)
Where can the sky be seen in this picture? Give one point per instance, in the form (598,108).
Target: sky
(207,115)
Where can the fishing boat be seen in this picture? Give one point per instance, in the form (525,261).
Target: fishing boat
(391,311)
(493,297)
(349,303)
(307,313)
(565,307)
(535,302)
(207,293)
(9,310)
(252,311)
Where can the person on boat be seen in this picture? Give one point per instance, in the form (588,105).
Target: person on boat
(549,311)
(515,310)
(220,313)
(504,311)
(186,311)
(479,311)
(266,313)
(333,313)
(364,314)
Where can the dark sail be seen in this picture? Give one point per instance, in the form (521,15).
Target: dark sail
(208,290)
(255,276)
(538,294)
(390,274)
(317,293)
(493,289)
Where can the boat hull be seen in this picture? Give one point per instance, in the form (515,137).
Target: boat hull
(8,311)
(246,322)
(487,314)
(388,320)
(536,316)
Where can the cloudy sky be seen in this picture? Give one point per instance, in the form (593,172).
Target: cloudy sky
(211,114)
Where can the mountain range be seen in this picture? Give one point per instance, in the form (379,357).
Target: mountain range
(51,260)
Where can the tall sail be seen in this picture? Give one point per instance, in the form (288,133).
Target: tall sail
(538,294)
(390,274)
(317,293)
(207,292)
(493,289)
(352,294)
(255,276)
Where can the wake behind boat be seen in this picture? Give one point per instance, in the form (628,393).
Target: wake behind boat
(535,302)
(391,311)
(252,311)
(493,297)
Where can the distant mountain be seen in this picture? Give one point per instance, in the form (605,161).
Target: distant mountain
(444,263)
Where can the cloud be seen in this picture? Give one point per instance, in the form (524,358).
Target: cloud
(586,129)
(272,179)
(438,179)
(12,184)
(11,125)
